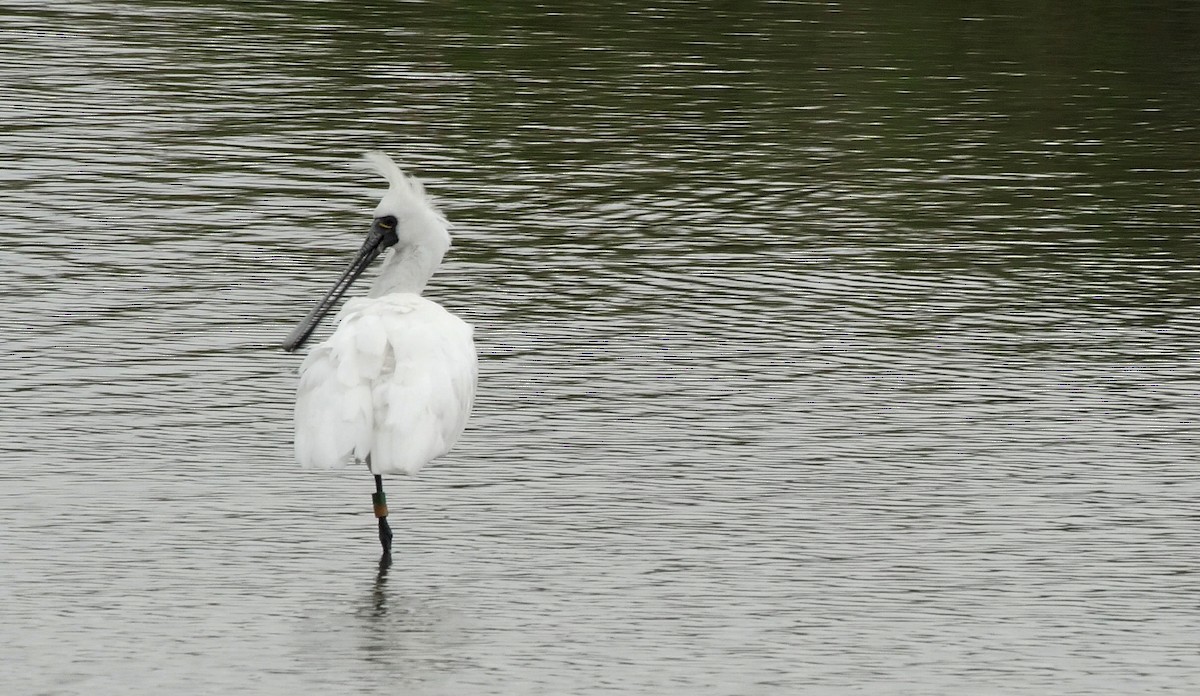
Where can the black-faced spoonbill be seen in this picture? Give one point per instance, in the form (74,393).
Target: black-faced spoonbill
(393,386)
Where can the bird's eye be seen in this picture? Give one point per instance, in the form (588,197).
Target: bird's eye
(387,222)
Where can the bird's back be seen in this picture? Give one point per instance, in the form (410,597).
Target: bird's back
(395,381)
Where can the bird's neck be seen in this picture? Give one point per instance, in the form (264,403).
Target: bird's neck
(406,270)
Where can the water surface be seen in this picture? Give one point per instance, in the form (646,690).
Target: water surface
(824,349)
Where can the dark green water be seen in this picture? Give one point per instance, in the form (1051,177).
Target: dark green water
(825,348)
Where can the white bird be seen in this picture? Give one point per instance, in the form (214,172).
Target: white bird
(394,384)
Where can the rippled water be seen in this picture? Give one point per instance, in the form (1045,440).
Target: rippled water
(825,349)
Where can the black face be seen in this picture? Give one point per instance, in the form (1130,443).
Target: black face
(387,225)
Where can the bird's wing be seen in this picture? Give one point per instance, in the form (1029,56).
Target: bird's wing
(395,381)
(334,408)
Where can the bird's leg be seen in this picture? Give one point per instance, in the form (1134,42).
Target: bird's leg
(381,511)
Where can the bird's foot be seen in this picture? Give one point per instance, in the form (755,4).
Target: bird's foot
(385,536)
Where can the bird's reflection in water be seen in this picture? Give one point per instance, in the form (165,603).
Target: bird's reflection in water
(415,638)
(378,592)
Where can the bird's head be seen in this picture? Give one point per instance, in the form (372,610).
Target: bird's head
(406,219)
(406,216)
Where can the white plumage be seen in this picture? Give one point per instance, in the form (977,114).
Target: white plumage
(394,384)
(396,381)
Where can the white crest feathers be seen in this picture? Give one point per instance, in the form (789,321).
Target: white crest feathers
(407,188)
